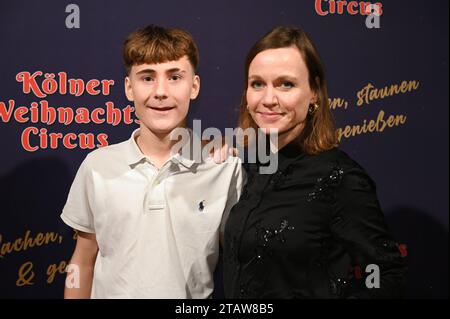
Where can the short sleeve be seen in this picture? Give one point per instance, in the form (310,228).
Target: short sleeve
(77,212)
(359,224)
(234,193)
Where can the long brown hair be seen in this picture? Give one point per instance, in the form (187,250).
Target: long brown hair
(319,133)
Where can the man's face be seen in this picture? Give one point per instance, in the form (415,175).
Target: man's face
(161,93)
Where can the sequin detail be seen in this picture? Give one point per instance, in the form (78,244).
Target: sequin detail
(322,189)
(265,235)
(338,286)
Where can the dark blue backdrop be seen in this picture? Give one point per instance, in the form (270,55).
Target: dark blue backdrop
(409,162)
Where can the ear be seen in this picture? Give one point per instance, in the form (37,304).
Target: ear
(195,87)
(314,98)
(128,89)
(315,91)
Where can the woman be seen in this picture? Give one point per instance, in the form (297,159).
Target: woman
(313,229)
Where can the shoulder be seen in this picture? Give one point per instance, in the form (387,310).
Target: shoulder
(331,158)
(336,165)
(232,165)
(106,156)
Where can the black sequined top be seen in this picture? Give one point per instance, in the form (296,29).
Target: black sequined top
(314,229)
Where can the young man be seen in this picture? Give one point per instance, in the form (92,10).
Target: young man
(149,219)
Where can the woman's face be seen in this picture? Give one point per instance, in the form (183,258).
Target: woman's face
(278,92)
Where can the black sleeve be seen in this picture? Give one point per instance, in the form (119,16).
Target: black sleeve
(359,224)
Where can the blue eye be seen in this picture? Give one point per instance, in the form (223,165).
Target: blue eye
(256,84)
(287,85)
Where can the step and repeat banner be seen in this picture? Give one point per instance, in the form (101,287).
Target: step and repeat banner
(62,96)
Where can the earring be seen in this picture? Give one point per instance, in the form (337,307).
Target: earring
(313,108)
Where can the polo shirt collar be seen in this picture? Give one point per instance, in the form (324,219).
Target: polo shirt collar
(134,155)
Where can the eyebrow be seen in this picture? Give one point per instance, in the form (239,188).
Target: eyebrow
(151,71)
(281,77)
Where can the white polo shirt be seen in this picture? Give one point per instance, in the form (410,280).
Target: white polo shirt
(157,230)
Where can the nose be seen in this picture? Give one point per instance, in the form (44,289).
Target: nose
(269,99)
(160,91)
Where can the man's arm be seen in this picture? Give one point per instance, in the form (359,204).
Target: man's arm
(83,258)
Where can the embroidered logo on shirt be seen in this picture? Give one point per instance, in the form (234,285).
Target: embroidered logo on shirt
(201,206)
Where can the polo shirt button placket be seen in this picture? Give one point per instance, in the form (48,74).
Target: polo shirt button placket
(153,189)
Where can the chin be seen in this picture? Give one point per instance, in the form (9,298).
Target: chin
(160,129)
(163,126)
(266,129)
(164,130)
